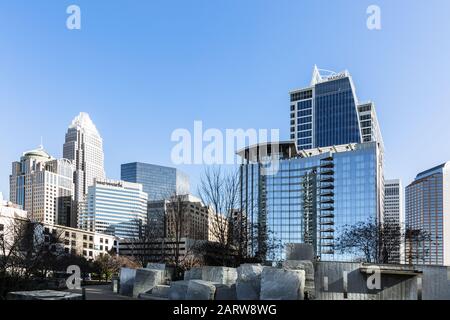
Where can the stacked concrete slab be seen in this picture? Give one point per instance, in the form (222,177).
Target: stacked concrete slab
(193,274)
(43,295)
(222,275)
(248,284)
(299,251)
(200,290)
(308,267)
(178,290)
(127,276)
(282,284)
(225,291)
(146,279)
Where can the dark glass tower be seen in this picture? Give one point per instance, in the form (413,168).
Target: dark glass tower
(158,182)
(327,113)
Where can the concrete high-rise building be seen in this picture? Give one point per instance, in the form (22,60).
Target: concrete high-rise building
(159,182)
(84,146)
(310,196)
(188,215)
(394,216)
(328,113)
(117,208)
(43,186)
(428,210)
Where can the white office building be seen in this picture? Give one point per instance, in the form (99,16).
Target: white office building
(117,208)
(9,214)
(394,213)
(43,186)
(84,146)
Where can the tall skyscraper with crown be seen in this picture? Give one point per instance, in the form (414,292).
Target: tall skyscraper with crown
(84,146)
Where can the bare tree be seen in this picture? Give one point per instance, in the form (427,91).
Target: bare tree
(417,245)
(27,251)
(177,229)
(108,265)
(219,190)
(375,242)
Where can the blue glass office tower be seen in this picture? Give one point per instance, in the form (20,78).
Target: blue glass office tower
(159,182)
(330,173)
(328,113)
(310,196)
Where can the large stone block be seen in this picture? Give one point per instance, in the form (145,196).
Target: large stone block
(126,284)
(161,291)
(193,274)
(299,251)
(223,275)
(156,266)
(200,290)
(282,284)
(308,267)
(248,284)
(225,291)
(178,290)
(146,279)
(43,295)
(115,284)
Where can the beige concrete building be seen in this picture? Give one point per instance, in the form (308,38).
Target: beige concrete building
(197,221)
(43,186)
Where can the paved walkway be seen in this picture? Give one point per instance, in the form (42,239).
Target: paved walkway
(101,292)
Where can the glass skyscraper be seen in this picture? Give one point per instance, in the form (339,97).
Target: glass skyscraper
(428,210)
(117,208)
(311,196)
(330,175)
(328,113)
(159,182)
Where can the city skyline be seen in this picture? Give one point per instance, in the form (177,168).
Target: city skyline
(408,122)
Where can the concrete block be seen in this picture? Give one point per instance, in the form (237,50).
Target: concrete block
(200,290)
(248,284)
(299,251)
(193,274)
(223,275)
(146,279)
(156,266)
(178,290)
(282,284)
(43,295)
(161,291)
(149,296)
(127,276)
(308,267)
(225,291)
(115,285)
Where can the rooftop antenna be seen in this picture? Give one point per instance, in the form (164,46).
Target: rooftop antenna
(41,146)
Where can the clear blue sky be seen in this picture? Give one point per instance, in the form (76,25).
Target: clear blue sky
(144,68)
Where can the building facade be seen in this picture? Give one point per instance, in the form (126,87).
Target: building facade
(84,147)
(88,244)
(310,196)
(116,208)
(394,215)
(43,186)
(328,113)
(194,220)
(427,207)
(159,182)
(9,214)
